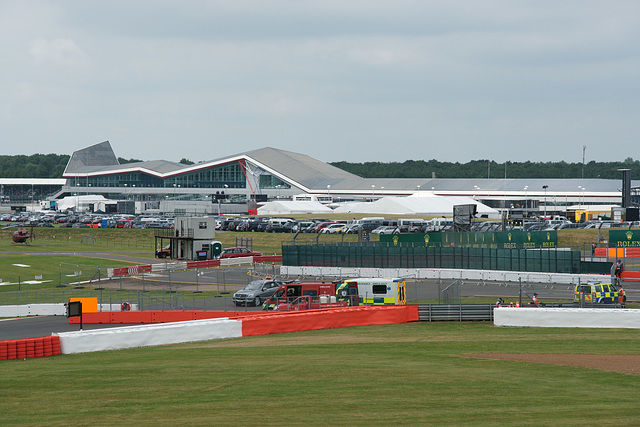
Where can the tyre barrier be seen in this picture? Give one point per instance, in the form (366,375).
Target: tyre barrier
(30,347)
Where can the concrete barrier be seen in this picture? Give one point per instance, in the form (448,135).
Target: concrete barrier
(148,335)
(32,310)
(445,274)
(567,317)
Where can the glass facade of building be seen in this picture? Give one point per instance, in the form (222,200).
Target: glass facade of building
(223,176)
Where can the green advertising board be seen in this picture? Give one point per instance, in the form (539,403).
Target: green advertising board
(496,240)
(624,238)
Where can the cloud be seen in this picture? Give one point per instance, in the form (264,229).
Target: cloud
(60,51)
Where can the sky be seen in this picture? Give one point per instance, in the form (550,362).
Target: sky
(357,80)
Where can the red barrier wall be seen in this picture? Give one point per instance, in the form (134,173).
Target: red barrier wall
(30,347)
(600,253)
(630,276)
(632,252)
(277,322)
(268,258)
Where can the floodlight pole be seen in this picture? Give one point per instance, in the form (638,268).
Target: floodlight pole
(545,200)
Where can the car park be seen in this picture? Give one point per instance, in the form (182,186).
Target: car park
(238,252)
(256,292)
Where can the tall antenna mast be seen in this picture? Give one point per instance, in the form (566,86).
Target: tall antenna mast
(584,150)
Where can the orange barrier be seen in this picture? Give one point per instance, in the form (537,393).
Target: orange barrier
(30,347)
(89,305)
(278,322)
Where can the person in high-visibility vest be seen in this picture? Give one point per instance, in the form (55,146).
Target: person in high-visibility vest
(621,296)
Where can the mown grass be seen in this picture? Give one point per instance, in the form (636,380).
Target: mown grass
(412,374)
(20,269)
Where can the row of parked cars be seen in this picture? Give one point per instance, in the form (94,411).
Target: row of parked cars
(35,219)
(290,225)
(375,225)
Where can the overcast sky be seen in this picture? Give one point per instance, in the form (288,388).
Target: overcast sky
(355,80)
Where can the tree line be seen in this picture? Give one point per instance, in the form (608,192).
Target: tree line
(490,169)
(53,165)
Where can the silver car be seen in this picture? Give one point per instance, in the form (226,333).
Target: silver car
(256,292)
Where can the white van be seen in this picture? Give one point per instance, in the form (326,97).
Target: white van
(437,224)
(411,225)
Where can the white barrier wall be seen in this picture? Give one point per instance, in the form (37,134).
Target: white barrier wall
(445,274)
(33,310)
(567,317)
(148,335)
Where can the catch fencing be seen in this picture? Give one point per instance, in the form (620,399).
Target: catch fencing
(416,255)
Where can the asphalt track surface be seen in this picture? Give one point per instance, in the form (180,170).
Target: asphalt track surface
(236,278)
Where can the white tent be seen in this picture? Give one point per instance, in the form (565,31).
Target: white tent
(80,203)
(418,204)
(284,207)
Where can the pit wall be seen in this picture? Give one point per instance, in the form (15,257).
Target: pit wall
(444,274)
(567,317)
(260,323)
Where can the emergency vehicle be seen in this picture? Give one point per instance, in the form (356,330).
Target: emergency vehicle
(304,296)
(353,292)
(373,291)
(602,293)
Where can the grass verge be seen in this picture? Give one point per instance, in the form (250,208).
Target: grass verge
(410,374)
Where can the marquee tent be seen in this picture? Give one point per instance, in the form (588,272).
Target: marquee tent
(284,207)
(417,204)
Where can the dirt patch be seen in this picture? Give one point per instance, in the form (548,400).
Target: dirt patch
(624,363)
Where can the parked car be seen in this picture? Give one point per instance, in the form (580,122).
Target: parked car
(164,252)
(333,228)
(322,225)
(238,253)
(303,226)
(256,292)
(386,229)
(352,229)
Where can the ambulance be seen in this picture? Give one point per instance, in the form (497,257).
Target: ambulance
(373,291)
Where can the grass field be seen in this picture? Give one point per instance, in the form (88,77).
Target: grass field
(411,374)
